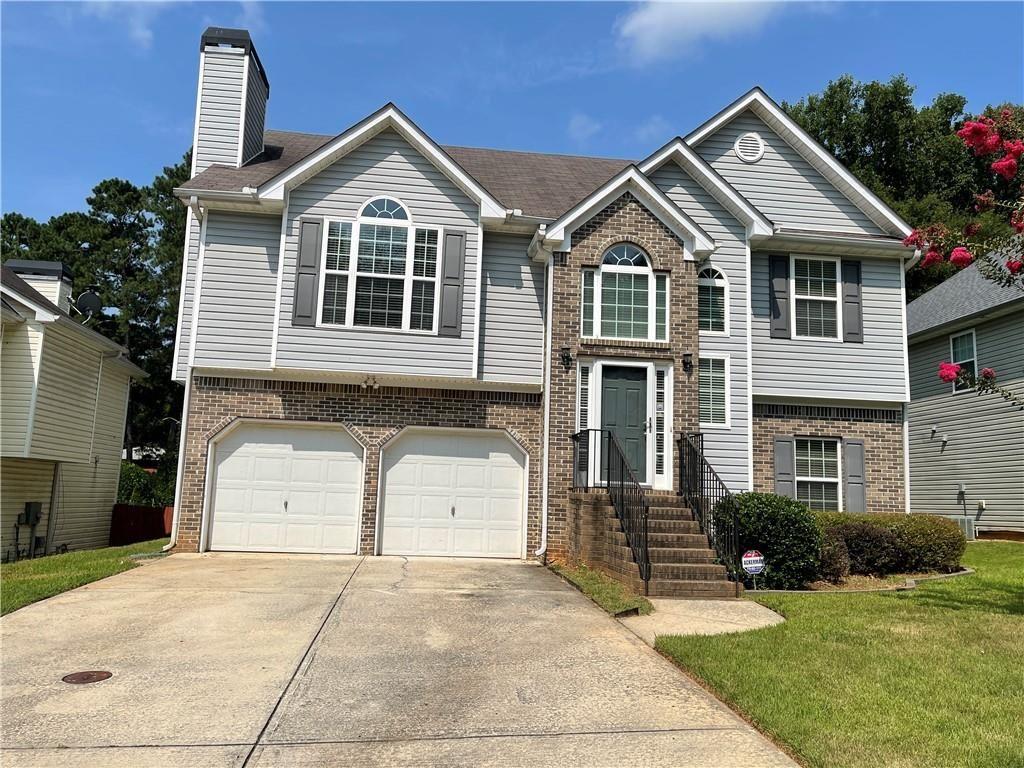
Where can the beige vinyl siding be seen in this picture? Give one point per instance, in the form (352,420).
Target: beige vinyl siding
(188,289)
(985,434)
(511,312)
(782,184)
(726,449)
(87,492)
(22,480)
(220,107)
(255,114)
(236,312)
(22,347)
(872,370)
(68,373)
(384,165)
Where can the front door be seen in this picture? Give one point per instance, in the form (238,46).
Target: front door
(624,412)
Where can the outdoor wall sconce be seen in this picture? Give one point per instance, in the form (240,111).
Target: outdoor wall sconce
(934,430)
(566,357)
(688,361)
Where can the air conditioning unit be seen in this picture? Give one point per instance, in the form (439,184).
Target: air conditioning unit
(967,526)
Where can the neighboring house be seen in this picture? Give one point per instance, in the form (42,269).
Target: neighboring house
(388,345)
(965,448)
(65,396)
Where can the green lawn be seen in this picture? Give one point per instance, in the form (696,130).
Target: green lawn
(608,593)
(27,581)
(929,677)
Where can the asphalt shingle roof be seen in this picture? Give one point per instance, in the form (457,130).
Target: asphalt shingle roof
(538,184)
(14,282)
(963,295)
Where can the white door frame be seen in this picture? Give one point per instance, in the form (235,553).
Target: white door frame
(378,538)
(208,511)
(597,366)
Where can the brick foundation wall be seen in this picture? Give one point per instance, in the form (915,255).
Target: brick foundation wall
(372,416)
(881,429)
(624,220)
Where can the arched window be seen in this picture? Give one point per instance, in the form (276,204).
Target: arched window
(617,297)
(712,302)
(380,271)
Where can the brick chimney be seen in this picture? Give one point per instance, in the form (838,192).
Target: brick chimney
(51,278)
(232,101)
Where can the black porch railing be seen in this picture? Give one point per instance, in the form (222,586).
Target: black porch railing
(598,461)
(713,506)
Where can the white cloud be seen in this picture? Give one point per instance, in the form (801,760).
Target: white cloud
(582,127)
(654,129)
(664,30)
(138,18)
(251,17)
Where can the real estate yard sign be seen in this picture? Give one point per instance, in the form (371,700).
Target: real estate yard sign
(753,563)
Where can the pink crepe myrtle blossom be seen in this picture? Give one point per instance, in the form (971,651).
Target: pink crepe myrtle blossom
(933,256)
(1005,166)
(989,374)
(1014,266)
(948,372)
(961,257)
(1014,148)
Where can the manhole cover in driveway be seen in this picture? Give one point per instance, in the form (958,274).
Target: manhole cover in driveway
(80,678)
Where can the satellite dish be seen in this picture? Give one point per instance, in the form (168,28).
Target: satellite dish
(89,303)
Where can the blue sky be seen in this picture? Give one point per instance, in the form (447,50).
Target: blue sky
(95,90)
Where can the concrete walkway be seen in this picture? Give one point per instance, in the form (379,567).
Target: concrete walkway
(700,617)
(270,660)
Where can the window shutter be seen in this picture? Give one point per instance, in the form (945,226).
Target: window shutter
(307,273)
(785,472)
(452,262)
(853,461)
(778,290)
(853,312)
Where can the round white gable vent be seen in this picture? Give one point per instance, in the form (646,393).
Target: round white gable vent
(749,147)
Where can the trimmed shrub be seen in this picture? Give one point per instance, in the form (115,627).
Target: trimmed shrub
(835,560)
(139,487)
(783,530)
(922,542)
(873,550)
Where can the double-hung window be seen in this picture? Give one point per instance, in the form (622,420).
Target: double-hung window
(815,298)
(712,295)
(380,271)
(962,352)
(713,391)
(624,298)
(817,473)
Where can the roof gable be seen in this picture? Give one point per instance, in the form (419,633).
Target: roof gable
(758,102)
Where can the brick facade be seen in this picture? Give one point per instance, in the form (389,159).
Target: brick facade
(373,416)
(881,430)
(623,220)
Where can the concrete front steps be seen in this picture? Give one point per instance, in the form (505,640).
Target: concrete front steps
(682,561)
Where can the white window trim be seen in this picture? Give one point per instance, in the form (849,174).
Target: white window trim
(838,338)
(974,359)
(353,273)
(728,392)
(652,300)
(838,480)
(722,282)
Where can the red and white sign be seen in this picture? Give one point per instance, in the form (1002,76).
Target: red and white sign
(752,562)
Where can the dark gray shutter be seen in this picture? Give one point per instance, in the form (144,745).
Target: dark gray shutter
(853,462)
(853,312)
(785,471)
(307,273)
(453,258)
(778,291)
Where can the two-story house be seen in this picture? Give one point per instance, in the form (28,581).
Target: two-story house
(963,444)
(393,346)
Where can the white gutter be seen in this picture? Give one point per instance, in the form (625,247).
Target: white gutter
(909,263)
(549,275)
(179,480)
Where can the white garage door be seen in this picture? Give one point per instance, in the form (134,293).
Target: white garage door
(458,494)
(286,489)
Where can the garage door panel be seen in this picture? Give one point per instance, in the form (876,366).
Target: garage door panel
(505,511)
(503,543)
(286,488)
(469,541)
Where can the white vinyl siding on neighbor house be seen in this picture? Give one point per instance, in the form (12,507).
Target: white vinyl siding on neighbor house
(386,165)
(814,368)
(22,348)
(23,480)
(726,448)
(236,311)
(984,433)
(511,312)
(782,184)
(189,266)
(220,107)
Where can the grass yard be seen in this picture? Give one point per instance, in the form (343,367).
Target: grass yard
(606,592)
(27,581)
(929,677)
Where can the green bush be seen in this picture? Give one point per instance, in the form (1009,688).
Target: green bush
(835,559)
(783,530)
(139,487)
(873,550)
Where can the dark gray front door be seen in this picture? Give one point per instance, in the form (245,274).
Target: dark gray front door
(624,412)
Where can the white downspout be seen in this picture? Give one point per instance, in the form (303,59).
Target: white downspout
(548,276)
(179,480)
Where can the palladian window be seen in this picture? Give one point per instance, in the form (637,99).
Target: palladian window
(624,298)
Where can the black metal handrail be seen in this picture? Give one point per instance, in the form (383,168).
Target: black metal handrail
(713,506)
(598,460)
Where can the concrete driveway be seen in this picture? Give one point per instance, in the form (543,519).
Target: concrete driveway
(271,660)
